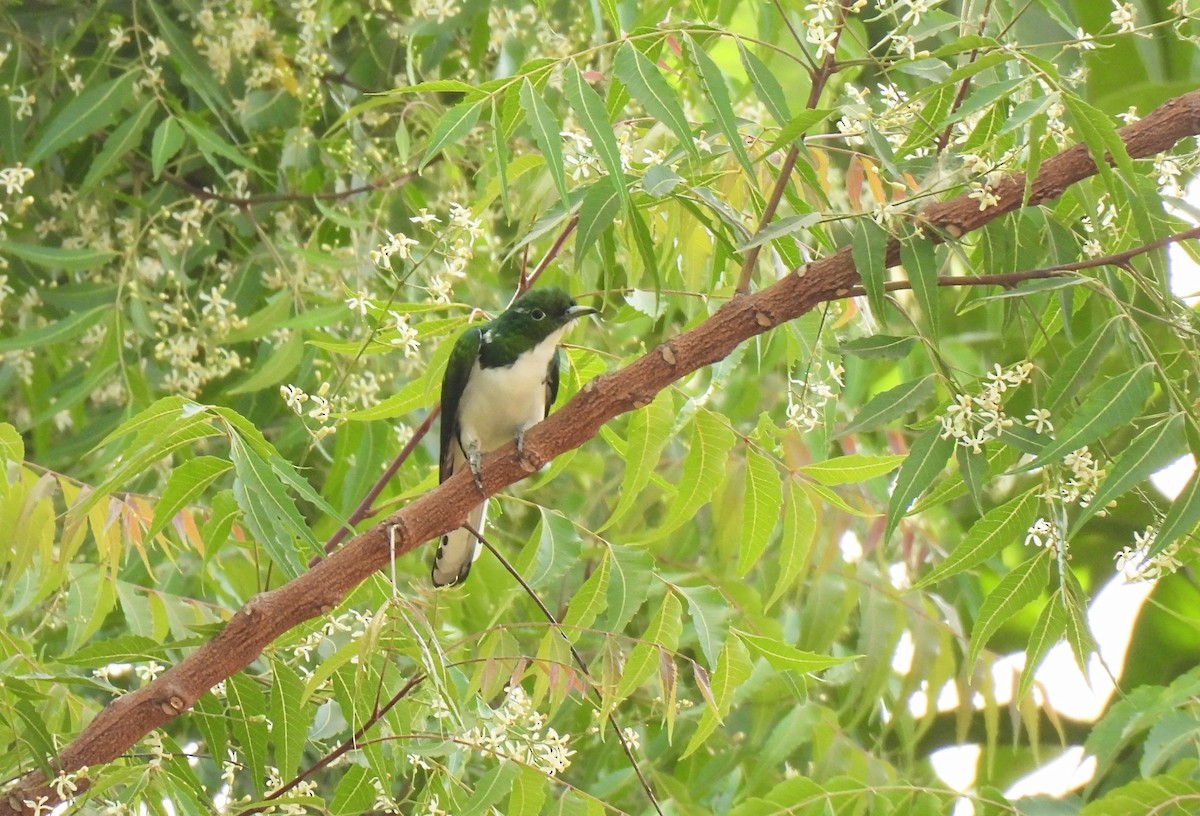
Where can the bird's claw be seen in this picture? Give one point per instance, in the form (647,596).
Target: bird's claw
(474,460)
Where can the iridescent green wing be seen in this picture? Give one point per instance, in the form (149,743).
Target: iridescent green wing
(454,381)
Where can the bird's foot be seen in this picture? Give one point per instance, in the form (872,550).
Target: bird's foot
(527,464)
(474,461)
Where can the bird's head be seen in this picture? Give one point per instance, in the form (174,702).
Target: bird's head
(539,313)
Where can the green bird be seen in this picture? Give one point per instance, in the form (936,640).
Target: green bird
(501,379)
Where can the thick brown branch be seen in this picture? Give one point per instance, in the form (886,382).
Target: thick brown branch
(318,591)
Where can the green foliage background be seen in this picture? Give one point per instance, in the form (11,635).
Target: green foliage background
(252,231)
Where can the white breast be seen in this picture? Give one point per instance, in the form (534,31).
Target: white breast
(499,402)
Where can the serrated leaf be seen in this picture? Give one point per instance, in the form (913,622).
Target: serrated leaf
(167,142)
(769,91)
(269,512)
(1152,450)
(591,598)
(1015,591)
(12,446)
(703,471)
(856,467)
(712,81)
(213,145)
(799,125)
(1002,526)
(926,459)
(528,793)
(709,614)
(546,132)
(760,508)
(780,228)
(247,712)
(659,180)
(891,405)
(490,789)
(869,252)
(1047,631)
(354,793)
(92,110)
(1079,636)
(879,347)
(410,397)
(732,669)
(1114,404)
(121,649)
(628,585)
(662,633)
(649,88)
(919,258)
(1080,364)
(593,118)
(599,206)
(795,544)
(1172,737)
(1182,516)
(788,658)
(290,718)
(452,126)
(187,482)
(972,470)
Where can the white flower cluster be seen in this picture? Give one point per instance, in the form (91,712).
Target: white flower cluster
(1042,534)
(1085,478)
(1136,563)
(820,22)
(973,420)
(517,732)
(804,411)
(13,179)
(1106,216)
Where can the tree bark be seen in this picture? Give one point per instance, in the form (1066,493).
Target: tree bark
(268,615)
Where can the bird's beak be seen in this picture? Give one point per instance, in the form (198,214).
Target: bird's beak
(576,312)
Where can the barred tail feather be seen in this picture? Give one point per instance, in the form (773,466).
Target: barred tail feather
(457,550)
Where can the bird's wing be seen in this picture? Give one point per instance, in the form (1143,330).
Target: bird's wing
(552,380)
(458,368)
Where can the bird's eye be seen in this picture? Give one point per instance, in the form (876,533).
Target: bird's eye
(537,314)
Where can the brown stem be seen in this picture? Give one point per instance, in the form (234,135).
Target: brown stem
(268,615)
(820,79)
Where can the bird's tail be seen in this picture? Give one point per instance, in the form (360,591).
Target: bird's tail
(457,550)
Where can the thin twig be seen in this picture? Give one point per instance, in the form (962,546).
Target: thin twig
(579,661)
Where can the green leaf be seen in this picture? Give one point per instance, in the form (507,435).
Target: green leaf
(660,180)
(732,669)
(628,585)
(209,714)
(703,471)
(528,793)
(70,260)
(856,467)
(212,145)
(269,512)
(290,718)
(779,228)
(1153,449)
(12,446)
(1004,525)
(649,88)
(167,142)
(788,658)
(919,258)
(795,544)
(926,459)
(1015,591)
(60,331)
(278,363)
(546,132)
(760,508)
(452,126)
(878,347)
(869,252)
(1111,406)
(1046,632)
(712,81)
(247,711)
(799,125)
(589,107)
(710,618)
(490,789)
(591,598)
(187,481)
(121,649)
(769,91)
(121,141)
(1083,645)
(91,111)
(600,204)
(409,398)
(891,405)
(354,793)
(1182,517)
(1080,365)
(662,633)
